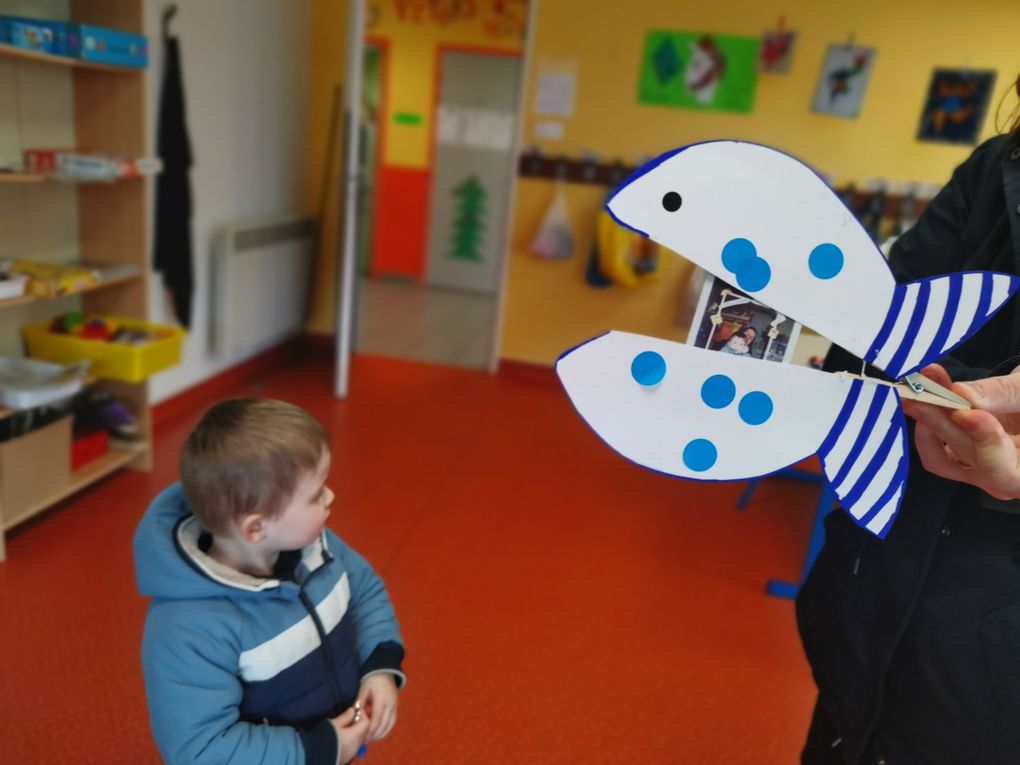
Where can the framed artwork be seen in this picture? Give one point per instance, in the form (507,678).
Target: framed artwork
(955,106)
(843,81)
(691,70)
(776,50)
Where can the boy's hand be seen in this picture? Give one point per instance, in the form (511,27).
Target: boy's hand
(378,694)
(350,734)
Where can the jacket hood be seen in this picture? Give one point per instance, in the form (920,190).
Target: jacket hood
(170,564)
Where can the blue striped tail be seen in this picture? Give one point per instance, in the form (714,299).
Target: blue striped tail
(864,456)
(930,317)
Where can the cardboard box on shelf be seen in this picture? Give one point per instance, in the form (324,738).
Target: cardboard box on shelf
(107,46)
(75,165)
(34,34)
(33,468)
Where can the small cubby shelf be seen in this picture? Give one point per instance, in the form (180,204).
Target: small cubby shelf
(107,109)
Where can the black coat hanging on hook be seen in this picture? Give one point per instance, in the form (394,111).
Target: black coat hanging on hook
(173,251)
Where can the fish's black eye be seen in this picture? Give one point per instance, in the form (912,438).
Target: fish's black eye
(672,201)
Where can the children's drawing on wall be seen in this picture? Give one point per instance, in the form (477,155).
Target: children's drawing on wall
(705,69)
(699,71)
(844,80)
(497,18)
(509,18)
(730,321)
(777,49)
(956,104)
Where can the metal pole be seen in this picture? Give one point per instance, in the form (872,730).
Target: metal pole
(349,182)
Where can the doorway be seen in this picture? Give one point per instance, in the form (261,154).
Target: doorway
(429,174)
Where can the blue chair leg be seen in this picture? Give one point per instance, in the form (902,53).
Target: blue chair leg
(795,474)
(783,589)
(747,494)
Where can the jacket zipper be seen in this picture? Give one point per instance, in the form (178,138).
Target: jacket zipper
(326,652)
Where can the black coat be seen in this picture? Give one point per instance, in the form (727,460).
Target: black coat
(914,641)
(172,254)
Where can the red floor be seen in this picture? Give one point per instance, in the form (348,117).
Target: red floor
(559,604)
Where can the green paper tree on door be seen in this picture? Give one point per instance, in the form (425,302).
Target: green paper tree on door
(470,222)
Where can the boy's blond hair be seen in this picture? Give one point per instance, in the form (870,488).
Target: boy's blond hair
(246,455)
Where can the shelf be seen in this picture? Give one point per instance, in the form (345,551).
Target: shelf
(101,107)
(37,178)
(25,299)
(88,380)
(21,178)
(116,458)
(12,51)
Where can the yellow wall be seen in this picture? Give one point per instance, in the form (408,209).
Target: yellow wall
(549,308)
(329,34)
(413,37)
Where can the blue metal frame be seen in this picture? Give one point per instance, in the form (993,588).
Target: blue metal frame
(778,587)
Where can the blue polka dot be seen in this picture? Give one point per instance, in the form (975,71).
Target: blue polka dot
(736,253)
(755,408)
(718,391)
(700,454)
(825,261)
(648,368)
(754,275)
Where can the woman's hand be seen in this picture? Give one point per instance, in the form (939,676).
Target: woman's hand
(979,446)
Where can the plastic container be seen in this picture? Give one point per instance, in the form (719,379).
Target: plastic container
(112,361)
(25,383)
(12,285)
(88,447)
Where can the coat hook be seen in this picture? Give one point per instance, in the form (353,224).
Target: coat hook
(616,172)
(562,168)
(590,165)
(168,14)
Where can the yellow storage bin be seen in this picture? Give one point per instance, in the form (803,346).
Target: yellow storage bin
(112,361)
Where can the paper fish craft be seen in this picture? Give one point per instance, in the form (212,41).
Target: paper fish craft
(751,214)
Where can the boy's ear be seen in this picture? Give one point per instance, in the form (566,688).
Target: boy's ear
(253,528)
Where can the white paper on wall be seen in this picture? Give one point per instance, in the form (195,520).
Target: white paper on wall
(488,129)
(476,128)
(548,130)
(556,91)
(450,126)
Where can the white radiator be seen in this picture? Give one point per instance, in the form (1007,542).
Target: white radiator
(260,283)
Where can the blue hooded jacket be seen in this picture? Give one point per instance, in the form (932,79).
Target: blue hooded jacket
(245,669)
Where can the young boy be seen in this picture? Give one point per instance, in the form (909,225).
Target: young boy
(264,628)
